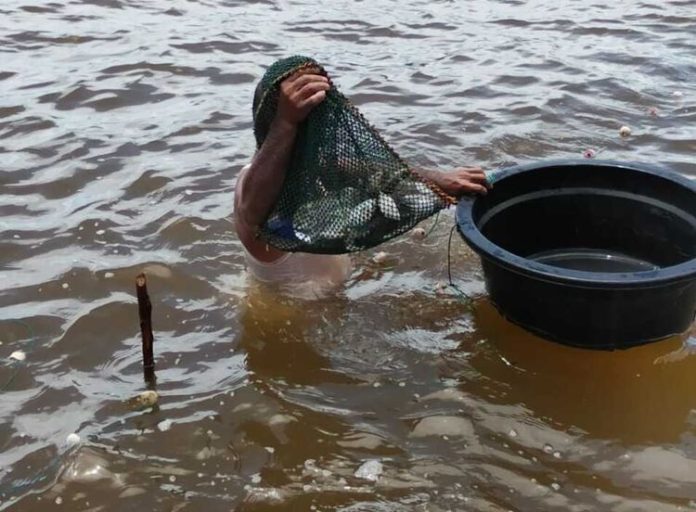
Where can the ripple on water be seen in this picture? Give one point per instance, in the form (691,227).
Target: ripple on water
(123,126)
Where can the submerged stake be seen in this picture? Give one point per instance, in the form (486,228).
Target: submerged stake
(145,313)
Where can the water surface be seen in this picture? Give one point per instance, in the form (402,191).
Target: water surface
(123,126)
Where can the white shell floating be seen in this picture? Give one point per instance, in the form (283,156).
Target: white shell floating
(625,131)
(589,153)
(164,425)
(380,257)
(388,207)
(418,234)
(73,439)
(370,470)
(148,398)
(18,355)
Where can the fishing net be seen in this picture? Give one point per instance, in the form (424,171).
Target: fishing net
(345,189)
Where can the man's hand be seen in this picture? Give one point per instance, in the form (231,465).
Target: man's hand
(460,181)
(299,94)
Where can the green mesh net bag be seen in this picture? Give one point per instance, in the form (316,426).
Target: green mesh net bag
(345,189)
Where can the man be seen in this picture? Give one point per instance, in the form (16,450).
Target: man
(260,183)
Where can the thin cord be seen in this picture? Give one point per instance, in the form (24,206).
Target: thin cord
(432,228)
(449,256)
(462,295)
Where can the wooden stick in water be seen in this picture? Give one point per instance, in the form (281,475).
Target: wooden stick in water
(145,313)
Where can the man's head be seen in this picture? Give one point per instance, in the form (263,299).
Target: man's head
(265,101)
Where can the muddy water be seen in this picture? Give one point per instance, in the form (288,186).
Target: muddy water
(123,126)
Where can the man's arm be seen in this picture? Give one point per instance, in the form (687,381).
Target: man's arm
(261,183)
(259,187)
(460,181)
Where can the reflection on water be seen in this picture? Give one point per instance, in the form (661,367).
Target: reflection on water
(123,126)
(276,333)
(641,396)
(593,260)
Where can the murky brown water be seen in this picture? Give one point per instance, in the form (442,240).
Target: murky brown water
(123,125)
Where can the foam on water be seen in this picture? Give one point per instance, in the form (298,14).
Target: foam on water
(123,125)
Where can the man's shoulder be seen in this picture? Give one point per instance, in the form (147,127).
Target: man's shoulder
(240,178)
(242,172)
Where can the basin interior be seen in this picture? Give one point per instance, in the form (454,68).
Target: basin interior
(596,218)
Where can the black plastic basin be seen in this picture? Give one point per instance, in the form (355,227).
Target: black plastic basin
(595,254)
